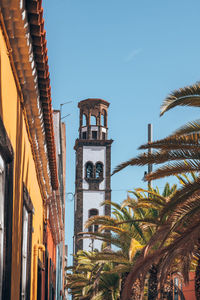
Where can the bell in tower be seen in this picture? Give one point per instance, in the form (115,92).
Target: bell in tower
(93,166)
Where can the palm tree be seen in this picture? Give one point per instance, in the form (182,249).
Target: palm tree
(80,281)
(147,207)
(176,239)
(91,279)
(180,151)
(108,287)
(131,227)
(123,232)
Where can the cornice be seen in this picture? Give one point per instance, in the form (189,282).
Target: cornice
(81,143)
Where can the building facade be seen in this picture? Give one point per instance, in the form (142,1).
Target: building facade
(93,163)
(60,139)
(189,289)
(30,221)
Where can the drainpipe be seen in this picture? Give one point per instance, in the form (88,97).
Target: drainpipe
(37,247)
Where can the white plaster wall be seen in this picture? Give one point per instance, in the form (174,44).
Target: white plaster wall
(83,129)
(94,128)
(94,154)
(92,199)
(85,185)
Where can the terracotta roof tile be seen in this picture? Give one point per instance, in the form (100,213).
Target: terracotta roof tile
(38,35)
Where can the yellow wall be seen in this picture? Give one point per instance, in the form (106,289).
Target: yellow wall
(24,167)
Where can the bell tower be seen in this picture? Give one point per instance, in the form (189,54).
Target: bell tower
(93,166)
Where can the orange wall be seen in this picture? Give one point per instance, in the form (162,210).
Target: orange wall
(189,290)
(12,115)
(51,247)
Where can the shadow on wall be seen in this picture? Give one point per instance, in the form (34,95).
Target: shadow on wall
(19,169)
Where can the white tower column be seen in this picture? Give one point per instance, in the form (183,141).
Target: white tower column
(93,165)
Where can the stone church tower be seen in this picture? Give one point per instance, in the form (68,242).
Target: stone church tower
(93,166)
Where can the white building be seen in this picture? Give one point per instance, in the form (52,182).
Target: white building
(93,165)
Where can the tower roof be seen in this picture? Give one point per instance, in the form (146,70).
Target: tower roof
(92,102)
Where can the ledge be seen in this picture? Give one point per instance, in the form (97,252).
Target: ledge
(81,142)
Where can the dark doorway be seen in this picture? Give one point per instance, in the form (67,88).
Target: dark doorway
(39,282)
(46,276)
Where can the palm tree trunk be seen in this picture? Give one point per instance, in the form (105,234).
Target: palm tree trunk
(153,283)
(167,290)
(136,290)
(123,279)
(197,280)
(170,293)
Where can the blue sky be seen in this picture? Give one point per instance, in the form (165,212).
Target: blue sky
(131,53)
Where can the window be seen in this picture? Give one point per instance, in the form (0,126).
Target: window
(84,120)
(94,135)
(46,275)
(6,212)
(176,283)
(2,209)
(89,170)
(24,251)
(26,245)
(93,120)
(84,135)
(93,212)
(52,280)
(104,119)
(96,228)
(99,170)
(103,136)
(94,173)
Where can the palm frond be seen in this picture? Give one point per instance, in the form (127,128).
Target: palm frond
(174,169)
(103,237)
(180,197)
(174,142)
(187,96)
(145,220)
(191,129)
(100,220)
(152,192)
(159,157)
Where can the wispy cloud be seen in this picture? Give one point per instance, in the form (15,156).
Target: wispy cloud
(132,55)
